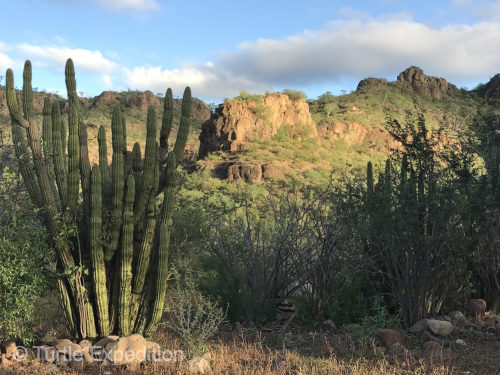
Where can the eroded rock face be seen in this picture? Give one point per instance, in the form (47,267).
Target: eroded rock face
(106,99)
(413,79)
(143,100)
(236,124)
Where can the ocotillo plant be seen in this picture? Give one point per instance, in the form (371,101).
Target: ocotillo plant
(106,230)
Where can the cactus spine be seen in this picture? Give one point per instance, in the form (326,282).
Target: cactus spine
(120,236)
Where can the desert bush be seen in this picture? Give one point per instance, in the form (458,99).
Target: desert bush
(24,258)
(193,318)
(288,246)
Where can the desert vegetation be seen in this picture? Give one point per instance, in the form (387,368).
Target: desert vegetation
(365,270)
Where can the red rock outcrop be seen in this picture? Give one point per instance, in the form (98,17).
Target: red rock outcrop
(237,123)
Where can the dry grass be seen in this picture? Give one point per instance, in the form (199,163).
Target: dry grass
(315,354)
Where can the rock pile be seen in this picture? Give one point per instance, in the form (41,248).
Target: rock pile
(433,331)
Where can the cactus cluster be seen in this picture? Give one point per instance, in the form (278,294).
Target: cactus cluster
(106,228)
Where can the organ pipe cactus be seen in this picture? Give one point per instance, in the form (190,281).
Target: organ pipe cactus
(104,225)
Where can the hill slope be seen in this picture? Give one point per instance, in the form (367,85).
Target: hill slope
(348,129)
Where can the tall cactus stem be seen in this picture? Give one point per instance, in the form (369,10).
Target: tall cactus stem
(126,256)
(118,181)
(97,255)
(182,134)
(166,122)
(73,141)
(59,154)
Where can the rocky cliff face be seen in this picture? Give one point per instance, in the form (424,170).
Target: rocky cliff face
(237,123)
(414,80)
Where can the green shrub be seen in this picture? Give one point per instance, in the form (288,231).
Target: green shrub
(24,260)
(379,318)
(193,318)
(295,94)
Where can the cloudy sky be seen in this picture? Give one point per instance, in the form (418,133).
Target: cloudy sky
(221,47)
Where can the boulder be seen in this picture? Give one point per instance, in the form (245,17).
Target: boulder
(105,341)
(419,326)
(10,350)
(199,365)
(459,320)
(389,337)
(4,362)
(68,347)
(131,349)
(477,307)
(440,327)
(85,345)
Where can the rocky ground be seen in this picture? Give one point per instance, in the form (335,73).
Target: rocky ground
(450,344)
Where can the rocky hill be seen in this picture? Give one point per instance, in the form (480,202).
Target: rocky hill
(282,136)
(262,137)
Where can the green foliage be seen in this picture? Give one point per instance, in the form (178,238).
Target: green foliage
(295,94)
(25,259)
(378,318)
(247,97)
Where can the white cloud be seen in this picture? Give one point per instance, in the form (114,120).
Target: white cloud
(341,50)
(205,80)
(142,5)
(5,63)
(55,57)
(107,80)
(354,49)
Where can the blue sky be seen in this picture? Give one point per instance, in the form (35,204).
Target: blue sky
(221,47)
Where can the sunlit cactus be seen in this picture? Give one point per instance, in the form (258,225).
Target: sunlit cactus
(104,224)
